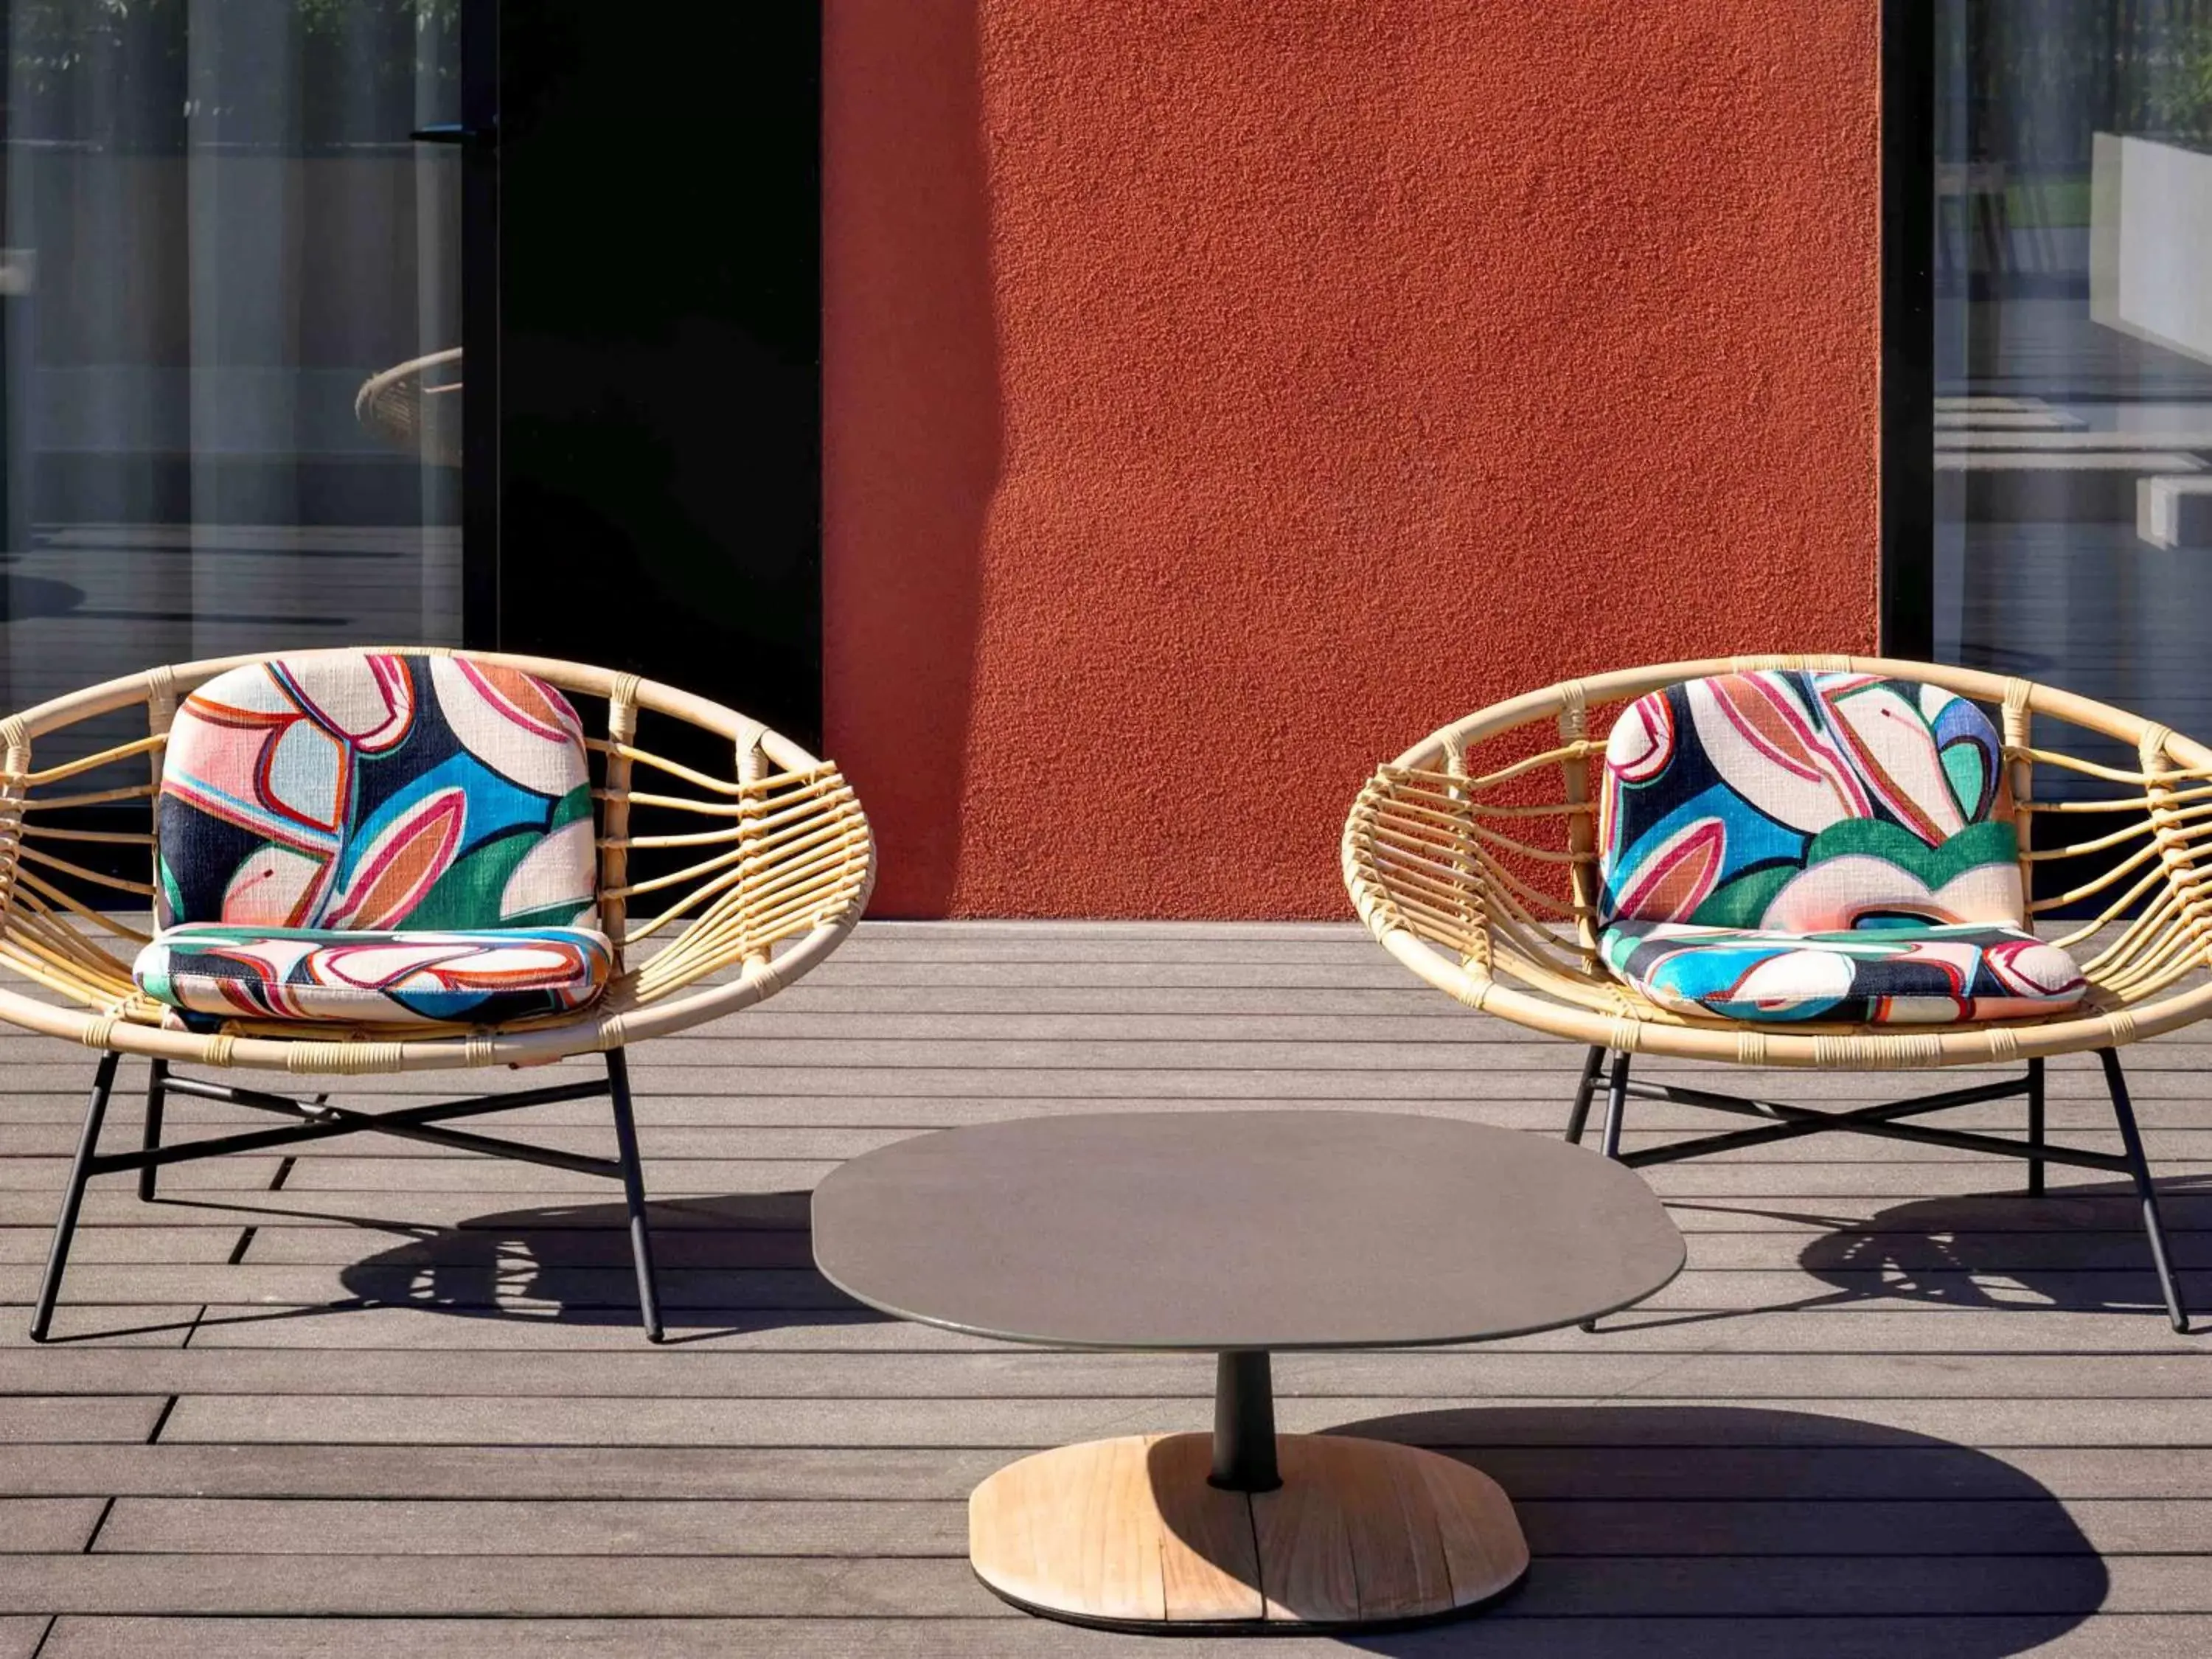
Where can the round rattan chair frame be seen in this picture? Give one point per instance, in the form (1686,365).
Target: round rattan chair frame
(781,863)
(1445,850)
(401,406)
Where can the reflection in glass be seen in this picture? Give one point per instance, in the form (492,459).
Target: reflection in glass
(217,233)
(2074,346)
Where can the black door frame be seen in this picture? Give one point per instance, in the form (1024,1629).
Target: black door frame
(1907,456)
(728,139)
(480,245)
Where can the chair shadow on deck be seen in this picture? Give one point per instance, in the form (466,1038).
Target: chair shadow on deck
(2077,1248)
(1666,1532)
(738,1262)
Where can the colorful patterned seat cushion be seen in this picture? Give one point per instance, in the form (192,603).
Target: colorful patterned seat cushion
(1748,812)
(484,977)
(1908,972)
(355,792)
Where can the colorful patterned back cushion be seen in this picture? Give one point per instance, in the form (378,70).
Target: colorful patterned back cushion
(1806,803)
(336,789)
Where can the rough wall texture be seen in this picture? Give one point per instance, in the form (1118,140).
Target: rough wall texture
(1219,397)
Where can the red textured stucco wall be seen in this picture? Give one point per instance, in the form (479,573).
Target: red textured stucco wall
(1219,397)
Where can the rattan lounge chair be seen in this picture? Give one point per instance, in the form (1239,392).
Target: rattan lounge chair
(401,859)
(416,407)
(1823,862)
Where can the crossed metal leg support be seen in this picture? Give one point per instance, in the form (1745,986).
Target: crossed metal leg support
(1793,1122)
(318,1121)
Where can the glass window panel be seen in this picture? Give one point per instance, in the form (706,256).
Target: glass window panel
(2074,346)
(218,232)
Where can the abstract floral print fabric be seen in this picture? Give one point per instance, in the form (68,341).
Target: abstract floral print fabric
(214,972)
(376,838)
(1785,845)
(343,790)
(1874,976)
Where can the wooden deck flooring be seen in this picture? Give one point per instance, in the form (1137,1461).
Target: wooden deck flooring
(377,1399)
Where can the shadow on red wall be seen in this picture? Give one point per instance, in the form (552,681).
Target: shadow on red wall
(912,436)
(1218,398)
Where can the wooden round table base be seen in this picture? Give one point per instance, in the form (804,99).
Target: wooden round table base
(1127,1534)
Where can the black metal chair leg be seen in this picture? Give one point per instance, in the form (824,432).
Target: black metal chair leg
(2035,1127)
(1616,1109)
(156,1095)
(1616,1105)
(1579,1117)
(2139,1167)
(632,1177)
(103,1084)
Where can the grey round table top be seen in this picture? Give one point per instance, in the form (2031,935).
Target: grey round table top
(1219,1230)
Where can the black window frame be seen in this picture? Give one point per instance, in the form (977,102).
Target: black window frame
(1907,451)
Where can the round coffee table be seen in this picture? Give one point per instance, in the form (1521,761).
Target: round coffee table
(1241,1233)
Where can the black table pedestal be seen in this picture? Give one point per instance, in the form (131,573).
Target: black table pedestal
(1245,1423)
